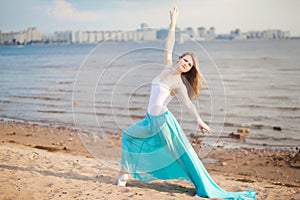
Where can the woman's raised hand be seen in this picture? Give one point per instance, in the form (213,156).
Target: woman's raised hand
(174,15)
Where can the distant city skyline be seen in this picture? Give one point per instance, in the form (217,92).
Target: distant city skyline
(34,36)
(225,15)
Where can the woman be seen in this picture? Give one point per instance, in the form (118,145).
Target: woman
(156,147)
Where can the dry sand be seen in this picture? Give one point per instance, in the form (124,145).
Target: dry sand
(44,162)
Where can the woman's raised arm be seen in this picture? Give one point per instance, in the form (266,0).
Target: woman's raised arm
(170,41)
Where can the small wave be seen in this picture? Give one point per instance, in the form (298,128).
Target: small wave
(99,114)
(289,69)
(34,103)
(136,94)
(118,108)
(288,108)
(254,126)
(137,116)
(52,111)
(36,97)
(5,101)
(228,80)
(136,108)
(259,126)
(65,82)
(255,106)
(251,106)
(293,117)
(275,97)
(229,124)
(279,108)
(58,90)
(282,108)
(269,137)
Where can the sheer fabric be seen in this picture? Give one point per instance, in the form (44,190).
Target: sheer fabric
(156,148)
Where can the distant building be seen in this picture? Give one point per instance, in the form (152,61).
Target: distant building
(254,35)
(286,34)
(63,37)
(144,26)
(106,35)
(189,32)
(268,34)
(201,31)
(78,37)
(91,37)
(273,34)
(211,34)
(237,35)
(145,33)
(31,35)
(130,35)
(125,36)
(149,35)
(99,36)
(85,37)
(162,34)
(47,38)
(179,36)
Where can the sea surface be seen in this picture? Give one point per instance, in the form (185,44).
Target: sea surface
(105,88)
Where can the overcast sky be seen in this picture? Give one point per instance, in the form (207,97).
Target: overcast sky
(224,15)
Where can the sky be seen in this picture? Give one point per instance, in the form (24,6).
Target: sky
(225,15)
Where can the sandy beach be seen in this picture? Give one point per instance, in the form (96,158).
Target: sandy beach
(47,162)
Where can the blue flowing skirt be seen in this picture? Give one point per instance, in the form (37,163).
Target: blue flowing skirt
(157,148)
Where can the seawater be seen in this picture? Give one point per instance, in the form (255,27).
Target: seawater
(105,88)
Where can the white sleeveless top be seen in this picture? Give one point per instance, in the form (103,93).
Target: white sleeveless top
(160,97)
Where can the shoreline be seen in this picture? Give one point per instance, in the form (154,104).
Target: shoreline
(231,140)
(266,171)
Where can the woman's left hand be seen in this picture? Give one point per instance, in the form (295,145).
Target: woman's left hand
(204,127)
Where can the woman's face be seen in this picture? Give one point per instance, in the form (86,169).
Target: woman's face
(185,63)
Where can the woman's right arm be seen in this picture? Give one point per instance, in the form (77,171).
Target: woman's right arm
(170,41)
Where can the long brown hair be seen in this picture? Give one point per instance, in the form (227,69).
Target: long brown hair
(193,79)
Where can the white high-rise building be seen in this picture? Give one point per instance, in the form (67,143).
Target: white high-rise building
(106,35)
(73,37)
(63,36)
(85,37)
(91,37)
(78,37)
(211,34)
(113,35)
(119,36)
(190,32)
(130,35)
(148,35)
(201,33)
(125,36)
(36,35)
(99,36)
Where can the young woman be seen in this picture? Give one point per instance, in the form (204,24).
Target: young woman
(156,147)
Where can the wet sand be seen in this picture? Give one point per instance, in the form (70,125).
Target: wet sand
(47,162)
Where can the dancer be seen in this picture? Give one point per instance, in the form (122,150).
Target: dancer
(156,147)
